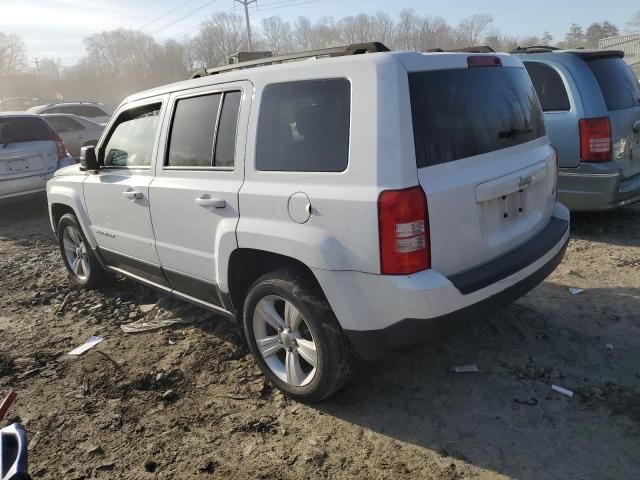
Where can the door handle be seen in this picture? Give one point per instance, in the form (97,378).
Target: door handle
(206,201)
(636,126)
(132,194)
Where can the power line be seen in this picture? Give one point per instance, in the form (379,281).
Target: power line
(198,27)
(287,5)
(164,14)
(182,18)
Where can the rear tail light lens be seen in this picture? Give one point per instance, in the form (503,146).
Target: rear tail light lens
(556,171)
(595,139)
(404,231)
(62,149)
(484,61)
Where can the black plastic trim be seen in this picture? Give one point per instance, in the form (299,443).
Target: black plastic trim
(136,267)
(411,332)
(513,261)
(200,289)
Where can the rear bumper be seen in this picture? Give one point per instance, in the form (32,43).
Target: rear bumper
(596,187)
(15,187)
(381,313)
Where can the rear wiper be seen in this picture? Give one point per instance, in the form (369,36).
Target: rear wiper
(514,132)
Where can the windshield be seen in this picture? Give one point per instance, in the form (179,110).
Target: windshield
(465,112)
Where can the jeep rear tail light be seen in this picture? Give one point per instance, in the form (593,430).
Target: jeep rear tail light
(62,149)
(595,139)
(404,231)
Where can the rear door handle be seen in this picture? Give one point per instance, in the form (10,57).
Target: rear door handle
(132,194)
(206,201)
(636,126)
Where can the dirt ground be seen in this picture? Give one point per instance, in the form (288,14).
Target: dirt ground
(189,402)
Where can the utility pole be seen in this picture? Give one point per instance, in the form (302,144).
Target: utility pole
(36,60)
(245,4)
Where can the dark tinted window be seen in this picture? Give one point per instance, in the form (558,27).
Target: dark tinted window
(549,86)
(465,112)
(618,83)
(304,126)
(132,139)
(226,140)
(192,131)
(22,129)
(63,124)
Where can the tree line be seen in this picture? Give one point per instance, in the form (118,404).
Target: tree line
(120,62)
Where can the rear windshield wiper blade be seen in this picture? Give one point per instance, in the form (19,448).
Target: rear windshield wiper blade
(514,132)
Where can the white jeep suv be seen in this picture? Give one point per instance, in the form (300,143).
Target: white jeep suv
(346,204)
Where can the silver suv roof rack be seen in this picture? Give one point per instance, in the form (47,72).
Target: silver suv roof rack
(353,49)
(473,49)
(534,49)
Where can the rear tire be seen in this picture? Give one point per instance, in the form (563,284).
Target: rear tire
(295,337)
(82,265)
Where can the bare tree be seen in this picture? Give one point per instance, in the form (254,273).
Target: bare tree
(12,54)
(407,30)
(472,29)
(278,35)
(220,36)
(303,33)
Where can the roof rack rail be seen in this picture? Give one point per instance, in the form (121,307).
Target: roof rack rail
(474,49)
(534,49)
(353,49)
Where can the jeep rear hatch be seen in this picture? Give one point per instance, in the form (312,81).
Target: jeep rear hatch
(483,158)
(621,92)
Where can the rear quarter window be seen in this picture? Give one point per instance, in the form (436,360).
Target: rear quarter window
(549,86)
(619,85)
(466,112)
(23,129)
(304,126)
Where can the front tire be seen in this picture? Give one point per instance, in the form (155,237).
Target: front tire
(295,337)
(82,265)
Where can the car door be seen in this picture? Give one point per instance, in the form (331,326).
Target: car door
(195,192)
(117,197)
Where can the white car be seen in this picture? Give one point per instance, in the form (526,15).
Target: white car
(30,152)
(77,132)
(349,203)
(96,112)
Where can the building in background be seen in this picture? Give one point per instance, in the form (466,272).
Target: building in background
(630,45)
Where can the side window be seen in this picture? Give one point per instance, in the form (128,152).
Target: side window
(63,125)
(304,126)
(198,124)
(192,131)
(131,141)
(549,87)
(227,128)
(87,111)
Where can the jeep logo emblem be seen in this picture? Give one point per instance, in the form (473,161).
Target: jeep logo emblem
(525,181)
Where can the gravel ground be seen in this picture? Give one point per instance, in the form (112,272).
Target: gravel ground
(188,401)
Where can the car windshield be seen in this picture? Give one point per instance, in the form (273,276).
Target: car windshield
(465,112)
(23,129)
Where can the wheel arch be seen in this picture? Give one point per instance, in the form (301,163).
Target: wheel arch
(246,265)
(66,199)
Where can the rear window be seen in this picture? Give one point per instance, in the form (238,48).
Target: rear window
(549,86)
(17,130)
(619,85)
(304,126)
(465,112)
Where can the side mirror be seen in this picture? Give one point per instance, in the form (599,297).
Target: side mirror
(88,159)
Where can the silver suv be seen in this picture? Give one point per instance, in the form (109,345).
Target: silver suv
(333,206)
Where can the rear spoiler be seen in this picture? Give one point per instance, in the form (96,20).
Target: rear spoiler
(595,54)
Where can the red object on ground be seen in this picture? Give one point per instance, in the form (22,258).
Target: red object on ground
(6,404)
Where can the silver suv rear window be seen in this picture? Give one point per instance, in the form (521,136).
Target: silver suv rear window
(619,85)
(465,112)
(24,129)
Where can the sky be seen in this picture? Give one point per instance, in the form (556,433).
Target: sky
(55,28)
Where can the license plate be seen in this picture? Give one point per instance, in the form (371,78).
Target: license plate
(17,165)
